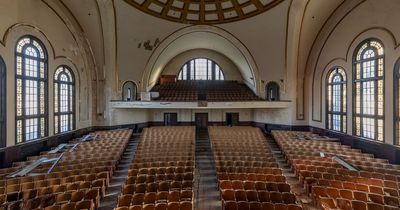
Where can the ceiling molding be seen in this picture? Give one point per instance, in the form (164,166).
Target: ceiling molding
(203,12)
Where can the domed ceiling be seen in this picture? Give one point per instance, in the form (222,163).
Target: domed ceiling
(203,11)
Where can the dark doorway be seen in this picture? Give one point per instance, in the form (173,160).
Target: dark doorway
(170,119)
(232,119)
(2,103)
(201,121)
(272,91)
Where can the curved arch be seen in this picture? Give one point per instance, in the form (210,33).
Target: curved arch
(129,91)
(272,90)
(200,68)
(64,99)
(336,101)
(368,89)
(31,95)
(196,37)
(316,70)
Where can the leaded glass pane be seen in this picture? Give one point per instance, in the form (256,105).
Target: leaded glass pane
(369,91)
(336,99)
(31,107)
(200,69)
(63,99)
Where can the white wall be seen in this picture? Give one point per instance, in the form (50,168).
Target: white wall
(370,19)
(64,46)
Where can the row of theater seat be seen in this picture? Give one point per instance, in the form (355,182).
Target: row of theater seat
(162,172)
(330,184)
(215,91)
(249,177)
(77,181)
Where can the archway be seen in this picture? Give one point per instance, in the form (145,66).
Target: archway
(201,37)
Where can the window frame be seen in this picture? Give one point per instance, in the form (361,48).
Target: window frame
(376,117)
(23,79)
(343,104)
(3,103)
(191,72)
(396,103)
(70,84)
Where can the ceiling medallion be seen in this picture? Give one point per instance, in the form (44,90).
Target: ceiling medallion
(203,11)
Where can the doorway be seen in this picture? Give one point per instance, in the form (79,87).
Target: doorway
(232,119)
(170,119)
(201,121)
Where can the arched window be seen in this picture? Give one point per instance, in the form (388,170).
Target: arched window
(2,103)
(368,100)
(397,102)
(31,89)
(64,100)
(336,100)
(272,91)
(129,91)
(201,69)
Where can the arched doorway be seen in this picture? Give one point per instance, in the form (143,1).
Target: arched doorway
(272,92)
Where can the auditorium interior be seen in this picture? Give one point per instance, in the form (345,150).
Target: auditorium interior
(199,105)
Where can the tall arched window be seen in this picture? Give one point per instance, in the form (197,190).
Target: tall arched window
(64,100)
(201,69)
(129,91)
(31,89)
(368,104)
(336,100)
(396,91)
(2,103)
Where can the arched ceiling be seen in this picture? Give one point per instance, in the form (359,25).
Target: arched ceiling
(204,11)
(201,37)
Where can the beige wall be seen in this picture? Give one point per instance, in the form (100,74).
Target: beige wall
(64,46)
(230,70)
(370,19)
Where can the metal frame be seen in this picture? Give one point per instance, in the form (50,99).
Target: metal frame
(375,79)
(188,69)
(23,78)
(396,104)
(71,84)
(328,83)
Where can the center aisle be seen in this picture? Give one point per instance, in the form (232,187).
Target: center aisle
(207,195)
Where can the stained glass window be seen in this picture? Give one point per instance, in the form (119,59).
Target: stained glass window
(2,103)
(64,100)
(397,104)
(31,89)
(201,69)
(336,100)
(368,100)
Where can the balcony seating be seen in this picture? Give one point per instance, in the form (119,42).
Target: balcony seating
(214,91)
